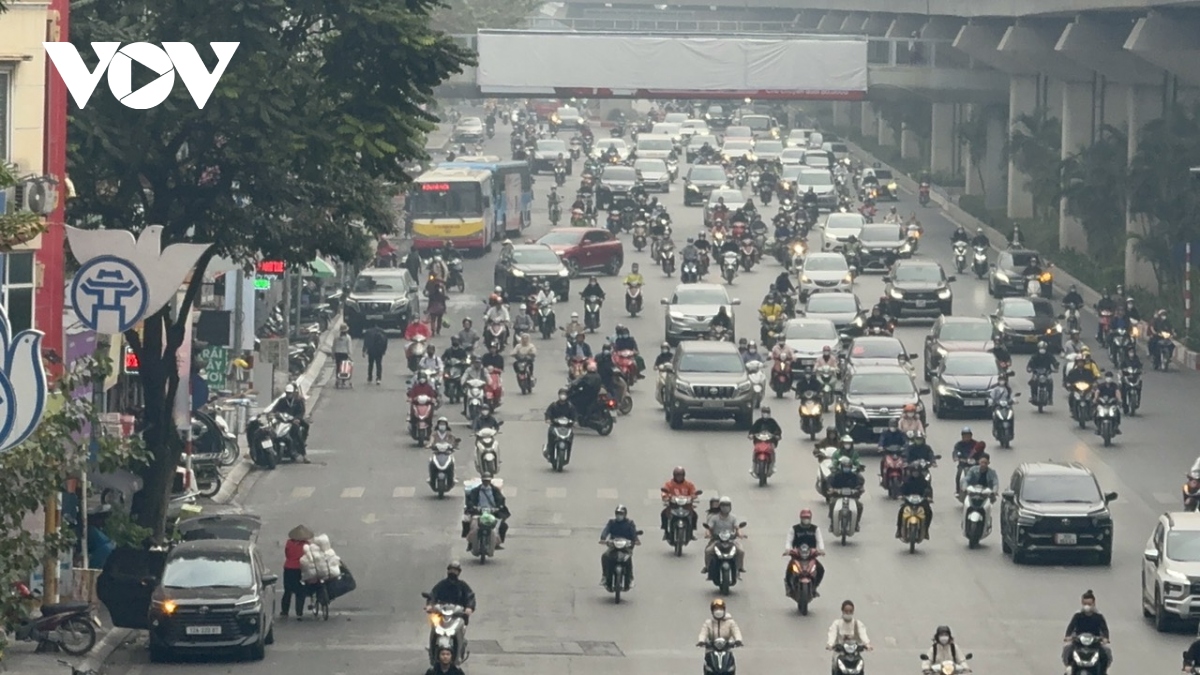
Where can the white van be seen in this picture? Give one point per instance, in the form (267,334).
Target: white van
(654,146)
(672,129)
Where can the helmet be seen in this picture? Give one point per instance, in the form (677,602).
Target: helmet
(443,419)
(422,377)
(454,565)
(910,407)
(806,513)
(679,472)
(847,439)
(666,346)
(713,500)
(290,389)
(766,410)
(726,500)
(894,424)
(498,291)
(621,510)
(826,350)
(716,604)
(752,345)
(943,630)
(966,431)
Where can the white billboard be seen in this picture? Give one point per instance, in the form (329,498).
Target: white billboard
(549,63)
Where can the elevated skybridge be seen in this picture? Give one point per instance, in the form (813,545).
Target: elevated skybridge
(894,67)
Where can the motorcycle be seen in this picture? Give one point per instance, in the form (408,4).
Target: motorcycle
(1162,350)
(979,261)
(441,468)
(447,630)
(948,667)
(602,418)
(560,175)
(824,457)
(729,266)
(546,320)
(269,436)
(845,514)
(1041,389)
(723,572)
(1004,422)
(473,399)
(758,380)
(801,576)
(828,376)
(414,352)
(666,259)
(1191,491)
(1118,341)
(420,419)
(748,255)
(771,331)
(633,299)
(781,377)
(679,521)
(1131,388)
(740,176)
(523,367)
(622,552)
(690,272)
(1105,319)
(496,333)
(764,457)
(487,451)
(639,235)
(625,361)
(960,256)
(1106,419)
(452,380)
(912,519)
(69,626)
(1085,655)
(718,657)
(1081,403)
(977,514)
(894,466)
(591,313)
(481,537)
(849,660)
(923,194)
(1070,318)
(811,411)
(563,430)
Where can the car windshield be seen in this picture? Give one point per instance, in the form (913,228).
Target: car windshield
(880,233)
(791,172)
(732,198)
(619,173)
(1025,309)
(560,238)
(839,148)
(1022,260)
(700,296)
(881,384)
(551,145)
(876,349)
(843,221)
(967,365)
(650,165)
(738,132)
(738,144)
(825,263)
(1183,546)
(927,273)
(757,122)
(617,143)
(769,146)
(470,122)
(797,134)
(707,172)
(715,110)
(980,331)
(699,140)
(535,256)
(832,303)
(567,111)
(810,330)
(883,174)
(711,363)
(209,570)
(377,283)
(435,199)
(655,144)
(675,118)
(695,124)
(1060,489)
(815,179)
(792,153)
(666,129)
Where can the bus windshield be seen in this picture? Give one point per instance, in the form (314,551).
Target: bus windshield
(447,200)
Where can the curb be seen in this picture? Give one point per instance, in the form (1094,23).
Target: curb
(105,648)
(1185,357)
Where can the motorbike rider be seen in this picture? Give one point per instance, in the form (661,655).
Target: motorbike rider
(916,483)
(634,278)
(493,358)
(486,496)
(421,386)
(431,362)
(453,591)
(545,296)
(1131,312)
(560,408)
(525,350)
(1072,298)
(1000,392)
(783,284)
(1104,304)
(442,434)
(846,629)
(846,476)
(808,381)
(827,359)
(752,354)
(573,327)
(845,448)
(1042,361)
(691,252)
(1084,370)
(722,320)
(578,348)
(467,337)
(982,474)
(809,198)
(877,320)
(624,341)
(917,450)
(967,448)
(1088,620)
(771,305)
(618,527)
(892,218)
(723,521)
(585,391)
(960,234)
(292,404)
(455,352)
(806,533)
(980,240)
(766,423)
(445,664)
(1161,323)
(721,625)
(497,311)
(678,486)
(910,420)
(416,328)
(1109,388)
(665,355)
(944,649)
(592,291)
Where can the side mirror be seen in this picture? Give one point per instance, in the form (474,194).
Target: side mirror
(664,301)
(951,279)
(969,656)
(426,596)
(912,356)
(1008,495)
(937,457)
(741,524)
(735,301)
(641,532)
(270,579)
(149,581)
(1151,555)
(1110,497)
(923,392)
(699,492)
(924,657)
(887,280)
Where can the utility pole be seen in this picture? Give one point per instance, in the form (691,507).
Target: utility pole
(100,406)
(239,312)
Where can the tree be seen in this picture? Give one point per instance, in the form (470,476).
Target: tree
(297,151)
(35,471)
(1035,146)
(458,17)
(1095,185)
(973,133)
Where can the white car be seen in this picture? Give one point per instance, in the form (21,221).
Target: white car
(818,159)
(675,118)
(1168,566)
(838,149)
(654,146)
(693,127)
(469,129)
(736,148)
(692,307)
(809,337)
(825,272)
(567,117)
(655,175)
(673,130)
(602,145)
(769,150)
(822,184)
(838,228)
(798,138)
(792,157)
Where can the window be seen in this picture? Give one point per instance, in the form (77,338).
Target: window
(5,114)
(18,289)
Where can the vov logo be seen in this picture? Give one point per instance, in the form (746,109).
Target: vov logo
(171,58)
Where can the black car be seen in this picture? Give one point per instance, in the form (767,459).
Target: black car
(1051,507)
(1012,271)
(918,288)
(619,180)
(522,272)
(873,396)
(961,384)
(883,244)
(1024,322)
(213,595)
(717,117)
(952,334)
(700,181)
(382,296)
(547,151)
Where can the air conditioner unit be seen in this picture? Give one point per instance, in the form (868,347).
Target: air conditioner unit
(36,194)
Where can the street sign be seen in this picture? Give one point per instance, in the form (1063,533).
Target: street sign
(271,268)
(275,352)
(216,367)
(262,283)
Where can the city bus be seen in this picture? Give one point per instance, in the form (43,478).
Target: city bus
(512,190)
(453,204)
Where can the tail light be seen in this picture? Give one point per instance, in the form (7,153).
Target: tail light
(610,403)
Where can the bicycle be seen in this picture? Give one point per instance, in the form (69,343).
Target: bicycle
(319,600)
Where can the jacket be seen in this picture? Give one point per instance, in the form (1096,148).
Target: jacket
(967,449)
(491,360)
(892,438)
(453,591)
(810,535)
(294,407)
(672,489)
(417,328)
(840,480)
(579,350)
(375,341)
(592,291)
(560,409)
(625,343)
(939,653)
(419,389)
(1093,623)
(726,628)
(919,451)
(451,670)
(292,550)
(521,351)
(841,631)
(473,498)
(341,344)
(767,424)
(976,476)
(619,529)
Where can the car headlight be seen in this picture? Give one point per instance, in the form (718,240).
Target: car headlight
(1174,588)
(892,187)
(1053,330)
(895,293)
(787,185)
(804,279)
(1026,520)
(745,387)
(678,316)
(849,279)
(683,388)
(1058,328)
(946,391)
(400,304)
(167,607)
(518,273)
(1004,325)
(945,293)
(691,188)
(249,606)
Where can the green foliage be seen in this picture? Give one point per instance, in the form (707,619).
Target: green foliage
(1095,183)
(1035,146)
(973,134)
(16,228)
(124,530)
(468,16)
(297,151)
(36,470)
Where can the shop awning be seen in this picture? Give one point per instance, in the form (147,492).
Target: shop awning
(321,269)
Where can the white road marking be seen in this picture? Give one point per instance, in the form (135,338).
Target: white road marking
(556,493)
(606,493)
(404,492)
(303,492)
(353,493)
(556,519)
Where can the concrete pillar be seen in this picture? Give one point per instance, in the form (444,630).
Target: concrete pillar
(1022,100)
(1116,105)
(841,114)
(867,125)
(884,133)
(1076,134)
(1143,105)
(943,139)
(910,144)
(993,165)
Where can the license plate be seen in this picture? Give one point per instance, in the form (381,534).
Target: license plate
(921,304)
(975,403)
(203,630)
(1032,338)
(374,317)
(879,430)
(714,404)
(266,445)
(1066,539)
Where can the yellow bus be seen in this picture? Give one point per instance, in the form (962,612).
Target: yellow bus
(454,204)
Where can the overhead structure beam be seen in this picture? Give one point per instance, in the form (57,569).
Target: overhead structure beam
(832,22)
(1092,42)
(980,40)
(1031,44)
(877,25)
(942,27)
(1169,41)
(854,23)
(905,25)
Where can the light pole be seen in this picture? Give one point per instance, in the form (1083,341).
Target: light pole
(1187,271)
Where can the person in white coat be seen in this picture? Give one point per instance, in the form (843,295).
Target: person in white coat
(944,649)
(721,625)
(845,629)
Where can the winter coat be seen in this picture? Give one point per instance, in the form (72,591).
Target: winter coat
(320,562)
(720,628)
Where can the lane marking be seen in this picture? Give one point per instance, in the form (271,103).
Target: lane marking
(556,519)
(556,493)
(353,493)
(606,493)
(370,519)
(303,492)
(404,492)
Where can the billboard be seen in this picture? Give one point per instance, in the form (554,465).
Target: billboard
(627,65)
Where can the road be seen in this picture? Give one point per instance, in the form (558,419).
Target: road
(540,607)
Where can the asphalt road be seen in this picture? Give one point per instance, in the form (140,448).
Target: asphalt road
(540,607)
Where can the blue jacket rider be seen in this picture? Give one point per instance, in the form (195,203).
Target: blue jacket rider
(618,527)
(579,349)
(893,436)
(982,474)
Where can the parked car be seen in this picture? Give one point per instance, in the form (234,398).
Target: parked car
(1054,507)
(707,380)
(387,297)
(951,334)
(961,384)
(1024,322)
(918,288)
(523,272)
(586,249)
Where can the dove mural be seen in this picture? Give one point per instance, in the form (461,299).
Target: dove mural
(23,386)
(122,279)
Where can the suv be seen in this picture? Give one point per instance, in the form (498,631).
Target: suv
(382,296)
(707,380)
(1054,506)
(957,334)
(873,396)
(918,288)
(1171,570)
(522,269)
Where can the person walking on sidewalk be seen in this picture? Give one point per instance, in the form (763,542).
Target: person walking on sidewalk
(375,344)
(293,583)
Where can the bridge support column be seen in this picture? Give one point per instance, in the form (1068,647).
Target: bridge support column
(1022,100)
(943,141)
(1144,104)
(885,134)
(910,144)
(988,178)
(841,114)
(867,125)
(1077,114)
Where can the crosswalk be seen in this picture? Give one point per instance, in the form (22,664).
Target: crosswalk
(302,493)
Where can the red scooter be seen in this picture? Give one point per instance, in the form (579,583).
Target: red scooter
(626,361)
(764,456)
(70,626)
(892,470)
(801,576)
(420,418)
(781,377)
(493,391)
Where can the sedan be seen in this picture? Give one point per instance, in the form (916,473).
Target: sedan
(601,146)
(655,174)
(585,249)
(821,182)
(547,151)
(567,117)
(838,228)
(694,128)
(733,199)
(768,151)
(619,179)
(700,182)
(742,132)
(526,267)
(697,141)
(1024,322)
(918,288)
(1012,272)
(818,159)
(469,130)
(882,245)
(843,309)
(798,138)
(952,334)
(691,308)
(808,338)
(717,117)
(962,382)
(738,149)
(792,157)
(824,272)
(879,350)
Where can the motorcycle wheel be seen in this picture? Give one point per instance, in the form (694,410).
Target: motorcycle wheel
(626,405)
(973,538)
(802,600)
(618,585)
(230,452)
(76,636)
(914,533)
(678,545)
(211,488)
(760,469)
(604,427)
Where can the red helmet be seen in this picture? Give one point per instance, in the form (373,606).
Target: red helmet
(806,513)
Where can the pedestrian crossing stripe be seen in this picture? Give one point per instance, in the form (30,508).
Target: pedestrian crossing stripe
(409,492)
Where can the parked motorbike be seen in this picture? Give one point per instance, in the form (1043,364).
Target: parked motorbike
(420,419)
(723,571)
(441,468)
(764,457)
(559,455)
(69,626)
(523,367)
(801,576)
(977,514)
(617,579)
(269,437)
(447,630)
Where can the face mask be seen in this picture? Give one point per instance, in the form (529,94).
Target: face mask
(563,397)
(944,639)
(847,617)
(725,510)
(620,518)
(451,575)
(718,614)
(1088,609)
(806,521)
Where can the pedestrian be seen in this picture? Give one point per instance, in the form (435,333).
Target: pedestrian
(293,584)
(375,344)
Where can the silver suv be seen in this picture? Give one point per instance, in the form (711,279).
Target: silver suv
(1171,570)
(707,380)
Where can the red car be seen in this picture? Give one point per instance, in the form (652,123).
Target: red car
(586,249)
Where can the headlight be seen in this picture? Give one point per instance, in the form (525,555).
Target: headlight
(564,273)
(1058,328)
(1026,520)
(787,185)
(400,304)
(812,409)
(946,391)
(804,279)
(849,278)
(683,388)
(892,187)
(678,316)
(1001,275)
(744,387)
(1046,278)
(691,187)
(1172,588)
(167,607)
(945,294)
(895,294)
(1004,325)
(518,273)
(249,606)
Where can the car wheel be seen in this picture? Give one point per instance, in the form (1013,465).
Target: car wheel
(937,409)
(270,639)
(572,268)
(614,265)
(1162,621)
(1018,555)
(1105,557)
(257,651)
(1004,547)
